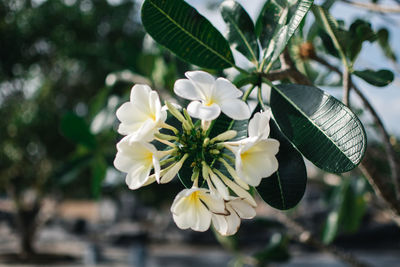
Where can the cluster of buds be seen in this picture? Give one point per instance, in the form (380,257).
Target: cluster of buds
(222,169)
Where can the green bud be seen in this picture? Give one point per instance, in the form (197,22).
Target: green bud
(215,151)
(206,142)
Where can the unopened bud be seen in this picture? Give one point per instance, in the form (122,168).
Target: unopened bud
(175,112)
(165,136)
(206,142)
(215,151)
(224,136)
(188,118)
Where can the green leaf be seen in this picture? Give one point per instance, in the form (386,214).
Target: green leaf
(359,32)
(286,187)
(77,130)
(282,37)
(378,78)
(241,33)
(383,41)
(331,227)
(349,208)
(331,26)
(179,27)
(271,19)
(322,128)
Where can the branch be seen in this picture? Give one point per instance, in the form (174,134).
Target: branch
(374,7)
(305,236)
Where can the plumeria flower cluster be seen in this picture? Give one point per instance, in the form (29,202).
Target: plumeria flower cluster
(223,169)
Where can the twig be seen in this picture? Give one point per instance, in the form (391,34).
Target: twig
(346,87)
(305,236)
(385,138)
(374,7)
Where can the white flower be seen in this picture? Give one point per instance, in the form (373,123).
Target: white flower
(192,208)
(137,159)
(229,224)
(255,156)
(143,115)
(210,96)
(255,159)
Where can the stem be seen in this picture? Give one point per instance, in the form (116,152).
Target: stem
(247,93)
(374,7)
(346,87)
(260,100)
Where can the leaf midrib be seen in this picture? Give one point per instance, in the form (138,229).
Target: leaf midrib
(189,34)
(242,36)
(304,115)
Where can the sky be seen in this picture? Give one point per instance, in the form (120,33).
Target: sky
(386,100)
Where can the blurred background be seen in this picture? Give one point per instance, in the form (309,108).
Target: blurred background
(67,65)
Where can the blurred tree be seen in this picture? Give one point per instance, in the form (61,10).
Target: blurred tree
(54,57)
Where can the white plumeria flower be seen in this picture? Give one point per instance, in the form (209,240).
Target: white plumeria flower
(229,224)
(255,156)
(255,160)
(143,115)
(137,159)
(209,96)
(192,208)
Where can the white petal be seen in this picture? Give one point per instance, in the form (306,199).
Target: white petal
(224,89)
(197,110)
(138,177)
(233,222)
(140,94)
(214,203)
(242,208)
(185,89)
(235,109)
(220,224)
(203,218)
(239,191)
(221,188)
(203,81)
(259,125)
(170,174)
(157,168)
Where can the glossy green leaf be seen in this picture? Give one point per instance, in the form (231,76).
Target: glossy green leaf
(322,128)
(272,17)
(179,27)
(378,78)
(383,41)
(286,187)
(241,33)
(282,37)
(77,130)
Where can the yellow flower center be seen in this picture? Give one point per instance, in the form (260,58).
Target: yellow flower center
(193,198)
